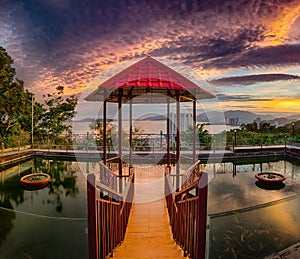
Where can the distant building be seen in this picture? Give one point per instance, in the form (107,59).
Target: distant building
(186,119)
(257,120)
(234,121)
(226,120)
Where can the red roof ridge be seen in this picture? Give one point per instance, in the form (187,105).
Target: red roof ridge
(152,72)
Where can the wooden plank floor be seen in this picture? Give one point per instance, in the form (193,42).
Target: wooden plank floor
(148,234)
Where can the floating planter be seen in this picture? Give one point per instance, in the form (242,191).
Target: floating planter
(35,181)
(270,177)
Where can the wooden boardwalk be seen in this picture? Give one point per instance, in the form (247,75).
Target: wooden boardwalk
(149,234)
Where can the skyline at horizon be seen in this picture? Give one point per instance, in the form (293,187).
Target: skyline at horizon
(247,53)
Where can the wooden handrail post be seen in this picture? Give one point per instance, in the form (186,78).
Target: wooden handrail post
(92,233)
(130,169)
(202,216)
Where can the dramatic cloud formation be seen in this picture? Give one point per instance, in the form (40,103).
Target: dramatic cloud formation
(253,79)
(70,42)
(283,55)
(239,98)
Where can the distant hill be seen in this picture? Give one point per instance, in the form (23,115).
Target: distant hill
(211,117)
(294,117)
(154,118)
(215,117)
(285,120)
(279,121)
(243,116)
(86,120)
(91,120)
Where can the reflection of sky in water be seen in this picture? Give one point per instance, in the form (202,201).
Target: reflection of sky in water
(256,233)
(65,196)
(35,223)
(230,192)
(252,232)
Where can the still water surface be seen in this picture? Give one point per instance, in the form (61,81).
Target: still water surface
(46,223)
(246,221)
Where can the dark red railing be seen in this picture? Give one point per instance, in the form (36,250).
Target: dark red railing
(188,212)
(107,217)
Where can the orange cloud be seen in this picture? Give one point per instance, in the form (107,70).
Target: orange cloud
(276,105)
(279,29)
(286,105)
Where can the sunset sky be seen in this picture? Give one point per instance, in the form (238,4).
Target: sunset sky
(247,50)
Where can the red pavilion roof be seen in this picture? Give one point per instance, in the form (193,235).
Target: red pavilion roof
(148,76)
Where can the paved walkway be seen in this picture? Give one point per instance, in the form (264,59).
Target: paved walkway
(148,234)
(292,252)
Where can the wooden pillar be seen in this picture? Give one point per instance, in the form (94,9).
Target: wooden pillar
(130,133)
(201,224)
(92,232)
(88,168)
(120,136)
(168,132)
(32,120)
(87,141)
(194,131)
(202,214)
(178,141)
(104,132)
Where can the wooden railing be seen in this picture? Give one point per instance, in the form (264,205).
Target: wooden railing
(188,213)
(107,216)
(108,177)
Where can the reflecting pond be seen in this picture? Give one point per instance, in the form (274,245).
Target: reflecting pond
(246,221)
(46,223)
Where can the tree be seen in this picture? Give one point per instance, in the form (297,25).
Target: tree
(16,108)
(250,127)
(203,135)
(98,127)
(53,115)
(15,101)
(139,142)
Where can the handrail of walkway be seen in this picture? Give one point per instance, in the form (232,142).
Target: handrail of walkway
(187,210)
(107,217)
(190,174)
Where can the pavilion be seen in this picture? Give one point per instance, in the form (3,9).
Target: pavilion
(153,83)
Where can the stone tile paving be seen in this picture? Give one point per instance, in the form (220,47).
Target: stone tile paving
(292,252)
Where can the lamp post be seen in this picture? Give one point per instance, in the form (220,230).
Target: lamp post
(285,137)
(235,137)
(32,122)
(293,129)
